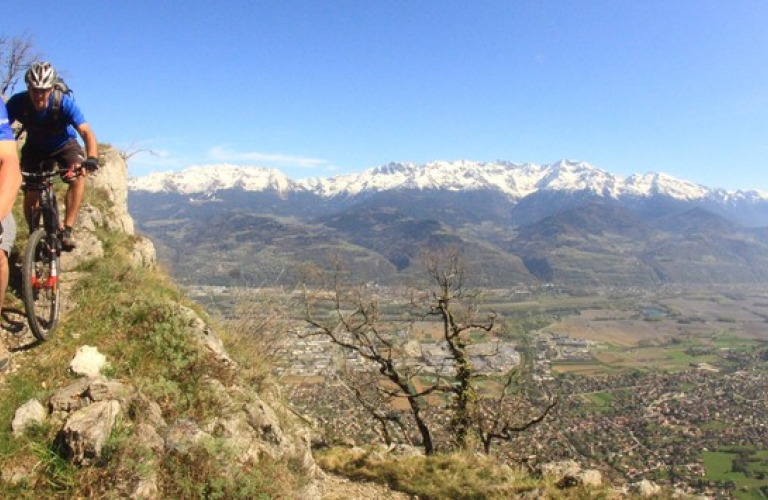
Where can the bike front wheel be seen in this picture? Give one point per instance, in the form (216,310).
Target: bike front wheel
(40,284)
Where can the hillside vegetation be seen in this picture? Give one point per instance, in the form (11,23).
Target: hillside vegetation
(170,437)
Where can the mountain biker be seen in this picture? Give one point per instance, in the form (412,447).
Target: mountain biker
(52,135)
(10,180)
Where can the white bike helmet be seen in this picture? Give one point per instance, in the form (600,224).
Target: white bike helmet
(40,75)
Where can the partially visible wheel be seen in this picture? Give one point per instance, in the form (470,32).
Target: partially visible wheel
(40,285)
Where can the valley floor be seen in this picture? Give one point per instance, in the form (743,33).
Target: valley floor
(664,386)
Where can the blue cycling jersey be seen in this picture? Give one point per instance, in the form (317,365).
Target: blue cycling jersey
(6,134)
(44,133)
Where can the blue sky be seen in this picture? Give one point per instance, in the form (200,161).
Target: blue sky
(320,88)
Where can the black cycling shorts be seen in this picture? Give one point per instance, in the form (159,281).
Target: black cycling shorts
(69,155)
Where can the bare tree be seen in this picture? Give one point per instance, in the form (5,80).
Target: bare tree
(353,323)
(455,306)
(16,55)
(365,386)
(503,417)
(350,317)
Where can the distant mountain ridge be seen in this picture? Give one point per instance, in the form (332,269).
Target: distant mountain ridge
(514,180)
(568,222)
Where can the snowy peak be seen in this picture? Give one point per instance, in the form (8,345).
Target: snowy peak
(662,184)
(514,180)
(209,179)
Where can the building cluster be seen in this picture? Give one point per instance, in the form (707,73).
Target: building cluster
(558,347)
(316,355)
(652,425)
(656,425)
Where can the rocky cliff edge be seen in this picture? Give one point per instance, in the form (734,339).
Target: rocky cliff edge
(112,401)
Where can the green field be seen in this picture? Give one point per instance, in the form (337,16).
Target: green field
(747,469)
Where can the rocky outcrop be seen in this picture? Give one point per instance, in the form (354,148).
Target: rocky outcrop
(112,177)
(89,410)
(568,473)
(112,180)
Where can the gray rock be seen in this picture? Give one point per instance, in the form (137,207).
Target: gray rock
(241,436)
(561,469)
(205,334)
(87,429)
(146,489)
(264,420)
(112,178)
(154,416)
(183,435)
(71,398)
(646,488)
(143,253)
(146,436)
(102,390)
(591,477)
(88,245)
(31,412)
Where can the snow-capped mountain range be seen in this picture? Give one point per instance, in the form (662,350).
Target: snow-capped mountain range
(567,222)
(514,180)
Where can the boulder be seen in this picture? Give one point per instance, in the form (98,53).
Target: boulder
(146,488)
(264,420)
(86,430)
(88,362)
(647,489)
(71,398)
(561,469)
(89,247)
(31,412)
(591,477)
(101,389)
(143,253)
(146,436)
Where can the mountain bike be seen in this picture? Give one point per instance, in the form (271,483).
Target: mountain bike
(40,265)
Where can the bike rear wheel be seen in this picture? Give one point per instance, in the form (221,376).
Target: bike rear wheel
(40,284)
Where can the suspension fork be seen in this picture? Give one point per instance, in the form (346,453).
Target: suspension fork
(49,210)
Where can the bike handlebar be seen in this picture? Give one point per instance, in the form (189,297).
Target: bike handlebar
(47,174)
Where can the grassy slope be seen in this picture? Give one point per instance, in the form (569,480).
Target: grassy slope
(127,313)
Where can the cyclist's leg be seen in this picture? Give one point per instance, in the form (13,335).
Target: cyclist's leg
(31,161)
(72,156)
(9,237)
(74,199)
(31,204)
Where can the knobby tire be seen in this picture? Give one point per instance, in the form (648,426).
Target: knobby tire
(40,290)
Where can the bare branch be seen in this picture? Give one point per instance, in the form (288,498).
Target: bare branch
(16,55)
(131,151)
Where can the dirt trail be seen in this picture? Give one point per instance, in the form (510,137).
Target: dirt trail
(340,488)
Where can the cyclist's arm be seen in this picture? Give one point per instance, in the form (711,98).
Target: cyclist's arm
(10,173)
(10,176)
(89,138)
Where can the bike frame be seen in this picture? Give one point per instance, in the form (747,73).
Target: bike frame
(40,271)
(49,209)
